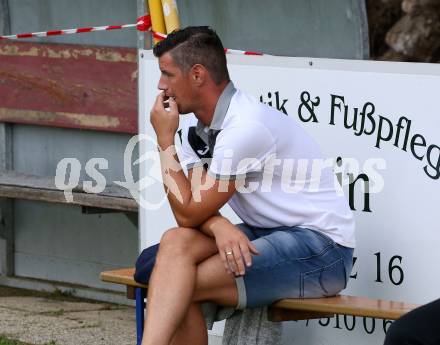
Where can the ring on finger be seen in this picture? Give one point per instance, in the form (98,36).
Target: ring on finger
(228,252)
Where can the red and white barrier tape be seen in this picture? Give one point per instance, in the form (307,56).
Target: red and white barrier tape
(142,24)
(241,52)
(158,35)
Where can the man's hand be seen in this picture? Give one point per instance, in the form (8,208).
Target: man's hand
(165,122)
(234,247)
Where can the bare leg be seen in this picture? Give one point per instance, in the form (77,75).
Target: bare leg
(172,282)
(192,329)
(212,284)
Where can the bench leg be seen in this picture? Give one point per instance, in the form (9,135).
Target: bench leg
(140,308)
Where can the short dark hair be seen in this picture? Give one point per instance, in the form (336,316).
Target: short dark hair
(196,45)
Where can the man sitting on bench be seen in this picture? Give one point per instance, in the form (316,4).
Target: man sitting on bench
(297,238)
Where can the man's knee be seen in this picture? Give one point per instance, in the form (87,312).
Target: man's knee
(176,242)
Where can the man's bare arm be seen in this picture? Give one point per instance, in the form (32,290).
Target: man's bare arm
(196,198)
(191,201)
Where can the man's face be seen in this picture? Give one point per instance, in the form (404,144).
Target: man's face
(175,83)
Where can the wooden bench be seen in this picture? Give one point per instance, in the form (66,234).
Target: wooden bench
(284,310)
(61,86)
(15,185)
(114,198)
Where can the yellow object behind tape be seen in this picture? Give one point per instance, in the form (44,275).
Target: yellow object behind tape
(171,15)
(157,18)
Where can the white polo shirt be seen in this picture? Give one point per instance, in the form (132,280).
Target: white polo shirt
(280,172)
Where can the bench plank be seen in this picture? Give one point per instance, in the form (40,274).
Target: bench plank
(122,276)
(300,309)
(349,305)
(30,187)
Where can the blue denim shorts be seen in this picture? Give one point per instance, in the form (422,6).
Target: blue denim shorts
(294,262)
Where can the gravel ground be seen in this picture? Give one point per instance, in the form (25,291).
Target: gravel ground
(41,318)
(38,318)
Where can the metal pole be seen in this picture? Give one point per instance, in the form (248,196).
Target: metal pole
(144,38)
(6,205)
(5,24)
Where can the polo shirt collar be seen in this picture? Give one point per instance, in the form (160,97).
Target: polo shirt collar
(219,113)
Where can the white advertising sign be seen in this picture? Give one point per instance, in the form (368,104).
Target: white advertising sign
(381,124)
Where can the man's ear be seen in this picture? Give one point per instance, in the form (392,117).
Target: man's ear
(199,74)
